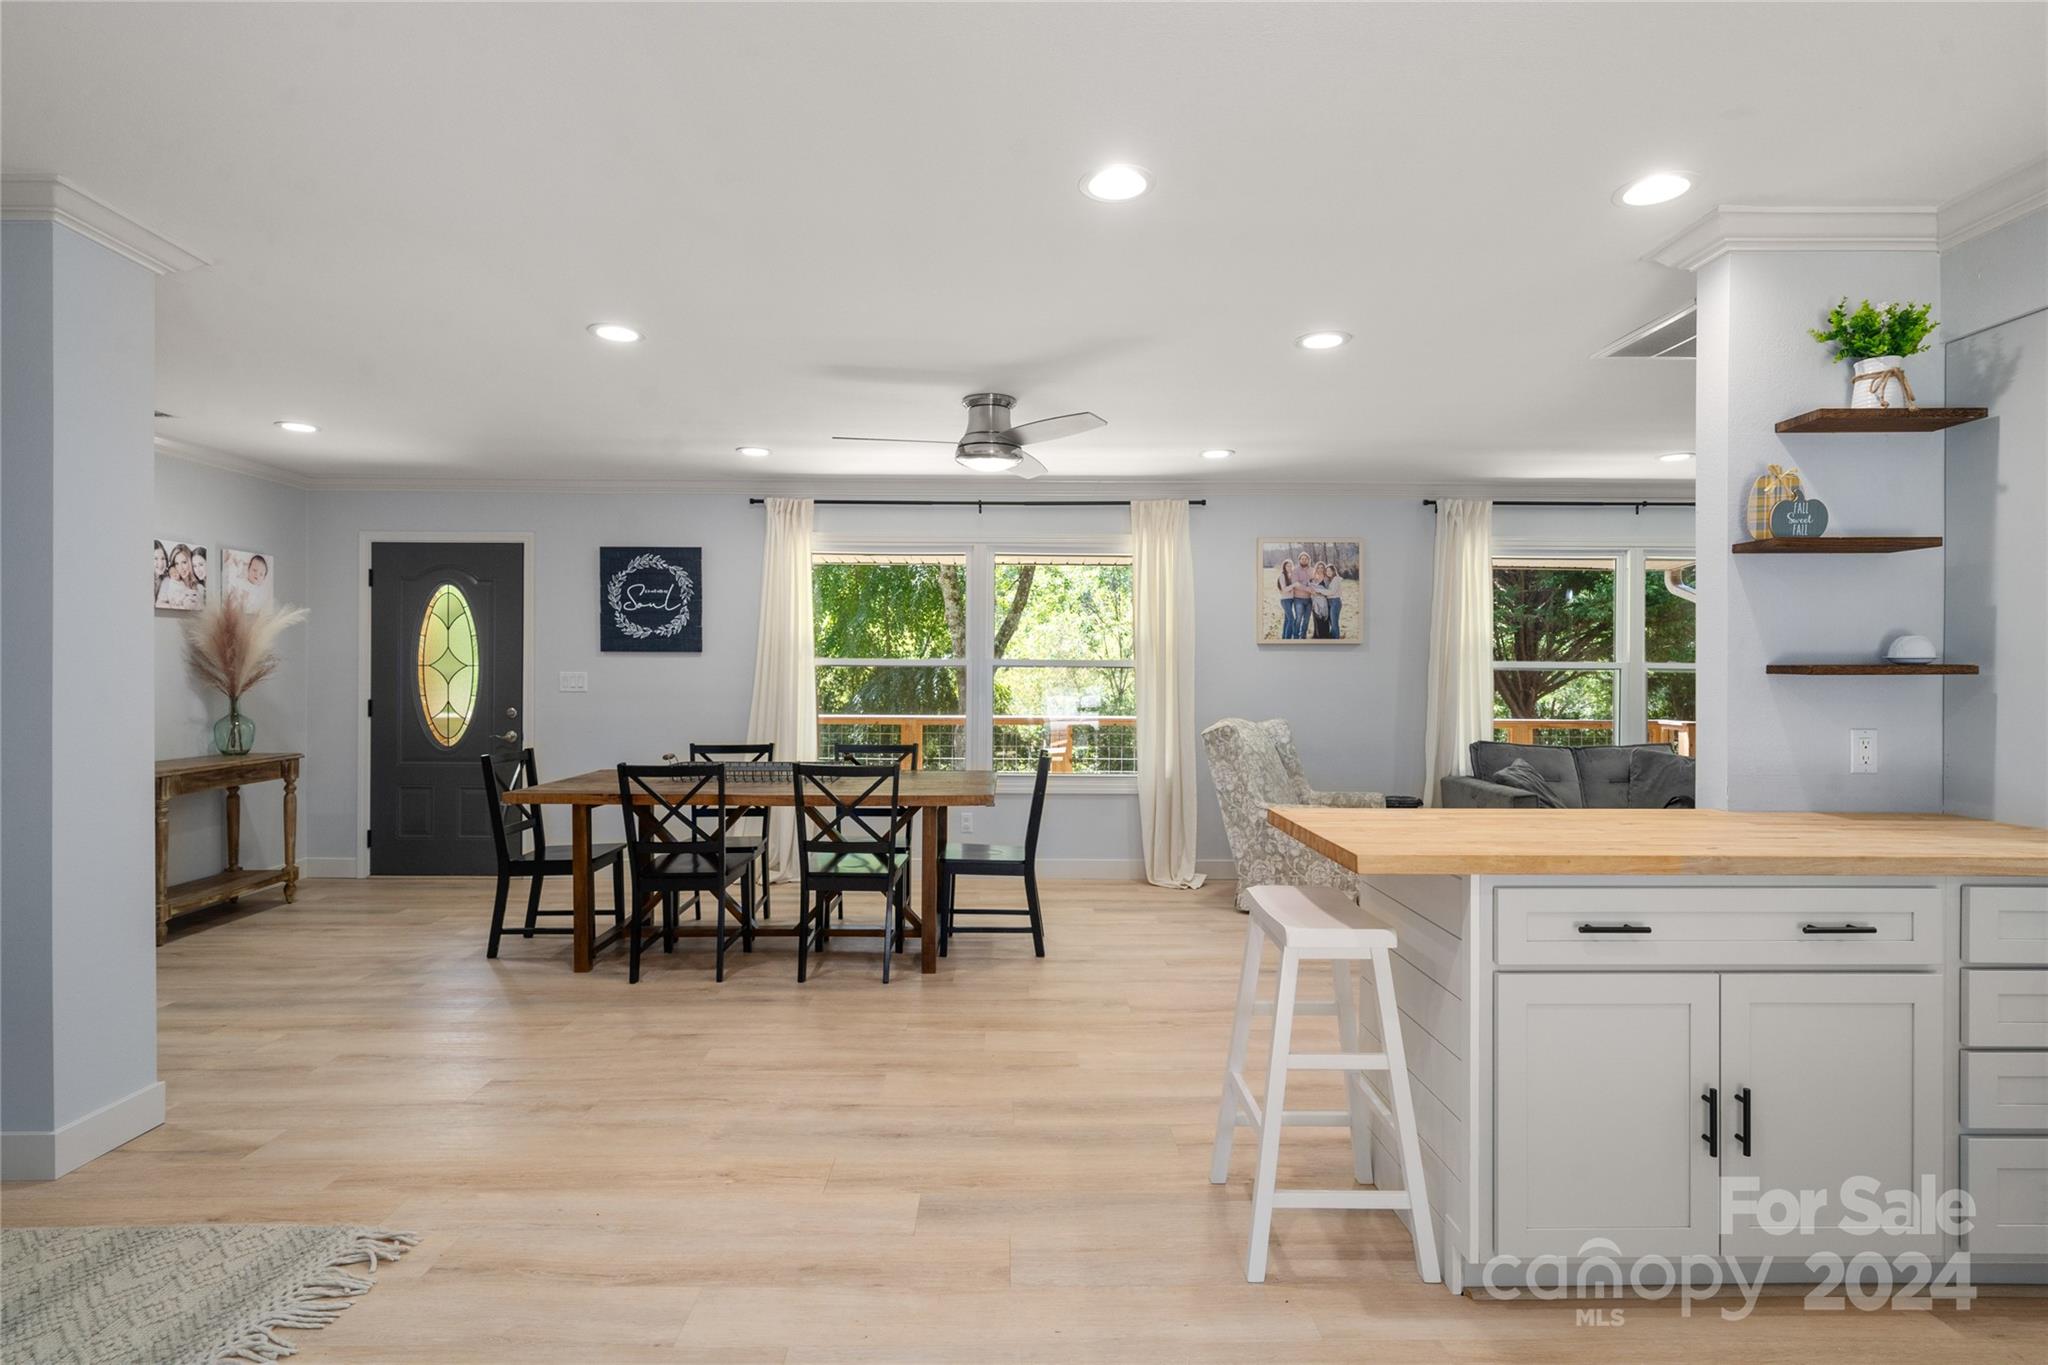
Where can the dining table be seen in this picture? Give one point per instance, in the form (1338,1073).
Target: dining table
(931,792)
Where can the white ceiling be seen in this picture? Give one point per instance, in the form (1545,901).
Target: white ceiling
(839,218)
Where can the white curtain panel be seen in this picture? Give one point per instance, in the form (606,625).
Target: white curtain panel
(1460,641)
(785,705)
(1163,602)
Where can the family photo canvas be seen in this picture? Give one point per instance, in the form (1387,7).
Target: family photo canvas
(1310,592)
(179,573)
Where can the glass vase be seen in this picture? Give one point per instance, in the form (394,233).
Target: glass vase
(234,734)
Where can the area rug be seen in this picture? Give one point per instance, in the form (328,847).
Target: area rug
(181,1294)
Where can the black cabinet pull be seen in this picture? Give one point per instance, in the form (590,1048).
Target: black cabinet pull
(1711,1097)
(1742,1133)
(1586,927)
(1846,927)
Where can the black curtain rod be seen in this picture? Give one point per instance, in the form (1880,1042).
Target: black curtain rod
(976,503)
(1639,505)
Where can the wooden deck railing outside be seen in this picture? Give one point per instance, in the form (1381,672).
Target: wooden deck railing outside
(1677,733)
(942,740)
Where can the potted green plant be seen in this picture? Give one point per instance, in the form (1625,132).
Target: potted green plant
(1876,340)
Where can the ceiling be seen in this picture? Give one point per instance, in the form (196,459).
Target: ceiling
(840,218)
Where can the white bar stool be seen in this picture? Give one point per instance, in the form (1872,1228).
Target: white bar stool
(1318,924)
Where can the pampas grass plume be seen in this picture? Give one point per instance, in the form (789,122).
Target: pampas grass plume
(232,648)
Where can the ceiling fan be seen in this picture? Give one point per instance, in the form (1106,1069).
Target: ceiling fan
(991,444)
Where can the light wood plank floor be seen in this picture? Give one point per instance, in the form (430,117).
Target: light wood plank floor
(1006,1162)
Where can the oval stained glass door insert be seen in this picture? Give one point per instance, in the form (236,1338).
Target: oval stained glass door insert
(448,665)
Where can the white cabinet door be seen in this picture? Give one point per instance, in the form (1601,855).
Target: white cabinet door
(1829,1077)
(1599,1081)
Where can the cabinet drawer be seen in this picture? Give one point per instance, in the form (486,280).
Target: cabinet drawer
(2006,1090)
(1733,926)
(2005,924)
(2007,1179)
(2005,1007)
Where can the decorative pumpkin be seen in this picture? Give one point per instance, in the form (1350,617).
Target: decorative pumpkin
(1775,485)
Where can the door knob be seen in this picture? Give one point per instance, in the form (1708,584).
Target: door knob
(510,736)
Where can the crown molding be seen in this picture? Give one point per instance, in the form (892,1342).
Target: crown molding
(41,198)
(1737,227)
(229,462)
(1987,208)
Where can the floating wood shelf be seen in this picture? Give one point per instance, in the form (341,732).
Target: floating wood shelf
(1880,419)
(1872,670)
(1835,545)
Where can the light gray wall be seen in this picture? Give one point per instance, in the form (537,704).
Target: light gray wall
(1777,743)
(1995,746)
(222,509)
(77,918)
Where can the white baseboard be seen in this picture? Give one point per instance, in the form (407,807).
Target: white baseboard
(48,1155)
(328,867)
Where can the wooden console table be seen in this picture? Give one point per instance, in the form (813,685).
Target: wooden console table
(180,776)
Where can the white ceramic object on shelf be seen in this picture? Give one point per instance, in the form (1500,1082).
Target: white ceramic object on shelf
(1876,383)
(1912,649)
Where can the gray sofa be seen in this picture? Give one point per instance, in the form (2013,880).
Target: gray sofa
(1599,777)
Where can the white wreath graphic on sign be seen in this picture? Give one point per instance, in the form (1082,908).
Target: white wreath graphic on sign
(614,593)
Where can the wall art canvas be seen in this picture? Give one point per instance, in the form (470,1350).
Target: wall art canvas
(180,571)
(1309,592)
(249,577)
(650,600)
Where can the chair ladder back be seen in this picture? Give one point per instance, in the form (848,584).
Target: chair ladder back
(1037,804)
(667,819)
(903,755)
(849,791)
(511,823)
(732,753)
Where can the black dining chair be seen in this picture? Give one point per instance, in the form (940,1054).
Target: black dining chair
(996,860)
(741,753)
(903,755)
(850,838)
(511,827)
(676,846)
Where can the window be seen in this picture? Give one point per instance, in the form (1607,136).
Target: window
(978,656)
(447,665)
(892,653)
(1593,649)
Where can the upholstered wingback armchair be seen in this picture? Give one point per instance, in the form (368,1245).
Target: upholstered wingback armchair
(1253,764)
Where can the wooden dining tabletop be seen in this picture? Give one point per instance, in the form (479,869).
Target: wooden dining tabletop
(931,791)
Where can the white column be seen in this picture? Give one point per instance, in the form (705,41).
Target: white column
(1782,743)
(77,879)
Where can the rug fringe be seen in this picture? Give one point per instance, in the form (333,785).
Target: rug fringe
(316,1303)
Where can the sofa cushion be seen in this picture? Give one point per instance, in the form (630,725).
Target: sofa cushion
(1604,773)
(1521,776)
(1555,765)
(1659,779)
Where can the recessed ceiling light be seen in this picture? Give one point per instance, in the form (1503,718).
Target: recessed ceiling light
(1218,454)
(753,452)
(302,428)
(1676,456)
(1114,183)
(613,331)
(1321,341)
(1659,188)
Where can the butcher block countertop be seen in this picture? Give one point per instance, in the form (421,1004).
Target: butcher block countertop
(1663,843)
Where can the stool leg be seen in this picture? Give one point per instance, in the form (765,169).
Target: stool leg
(1421,1224)
(1347,1038)
(1240,1038)
(1273,1120)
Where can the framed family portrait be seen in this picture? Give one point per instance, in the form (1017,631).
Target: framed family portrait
(179,573)
(1309,592)
(248,577)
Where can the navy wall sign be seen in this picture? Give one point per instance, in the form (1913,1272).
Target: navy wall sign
(1795,518)
(650,600)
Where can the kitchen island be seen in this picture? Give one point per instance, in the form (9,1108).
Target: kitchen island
(1620,1021)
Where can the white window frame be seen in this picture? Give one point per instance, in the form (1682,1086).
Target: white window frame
(980,663)
(1631,665)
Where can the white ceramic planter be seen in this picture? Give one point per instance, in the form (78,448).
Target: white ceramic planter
(1871,387)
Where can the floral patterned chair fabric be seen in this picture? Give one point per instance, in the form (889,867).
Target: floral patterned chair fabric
(1253,765)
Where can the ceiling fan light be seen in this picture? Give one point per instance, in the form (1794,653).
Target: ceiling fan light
(986,457)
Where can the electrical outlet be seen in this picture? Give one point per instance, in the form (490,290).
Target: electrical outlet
(1863,751)
(575,682)
(966,819)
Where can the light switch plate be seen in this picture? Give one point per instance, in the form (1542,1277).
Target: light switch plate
(575,682)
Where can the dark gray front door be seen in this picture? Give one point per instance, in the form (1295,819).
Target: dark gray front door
(447,630)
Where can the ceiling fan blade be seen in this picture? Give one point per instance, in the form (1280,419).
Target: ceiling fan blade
(897,440)
(1026,467)
(1052,428)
